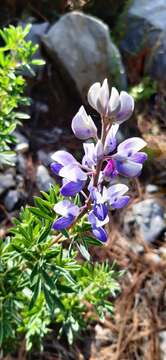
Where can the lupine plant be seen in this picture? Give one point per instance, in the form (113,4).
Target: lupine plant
(16,55)
(48,279)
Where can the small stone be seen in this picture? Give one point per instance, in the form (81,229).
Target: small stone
(151,188)
(147,218)
(22,145)
(13,199)
(162,337)
(44,157)
(43,179)
(21,164)
(6,182)
(19,181)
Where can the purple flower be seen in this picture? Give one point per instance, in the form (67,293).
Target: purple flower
(100,211)
(97,226)
(110,170)
(118,106)
(112,197)
(99,151)
(128,160)
(93,154)
(63,158)
(116,197)
(110,141)
(71,188)
(126,107)
(89,157)
(69,169)
(83,125)
(100,234)
(68,211)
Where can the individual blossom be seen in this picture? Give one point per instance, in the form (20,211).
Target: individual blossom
(97,227)
(67,167)
(68,212)
(83,125)
(93,154)
(116,197)
(118,106)
(110,141)
(128,159)
(110,171)
(111,198)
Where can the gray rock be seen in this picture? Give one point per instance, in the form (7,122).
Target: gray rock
(149,217)
(144,37)
(22,145)
(162,338)
(44,157)
(82,49)
(43,179)
(21,164)
(13,199)
(19,181)
(6,182)
(151,188)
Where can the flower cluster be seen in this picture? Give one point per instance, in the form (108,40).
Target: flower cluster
(102,162)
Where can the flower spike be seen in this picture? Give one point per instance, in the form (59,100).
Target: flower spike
(102,162)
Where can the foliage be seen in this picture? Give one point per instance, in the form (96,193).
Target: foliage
(42,282)
(15,56)
(144,90)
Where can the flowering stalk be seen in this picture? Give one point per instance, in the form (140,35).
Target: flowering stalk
(102,163)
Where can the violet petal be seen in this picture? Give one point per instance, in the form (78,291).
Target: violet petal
(62,223)
(66,208)
(83,125)
(55,168)
(71,188)
(73,173)
(131,146)
(93,94)
(126,108)
(110,141)
(100,234)
(139,157)
(121,202)
(103,98)
(116,190)
(63,157)
(128,168)
(100,211)
(114,102)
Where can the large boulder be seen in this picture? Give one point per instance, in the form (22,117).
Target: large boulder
(83,51)
(144,39)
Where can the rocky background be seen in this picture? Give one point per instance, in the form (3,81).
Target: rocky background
(83,42)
